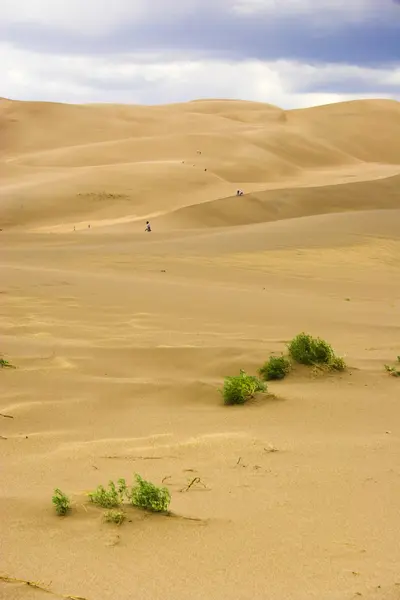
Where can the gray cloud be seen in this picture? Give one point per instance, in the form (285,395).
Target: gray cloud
(211,29)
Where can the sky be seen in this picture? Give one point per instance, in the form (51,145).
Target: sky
(291,53)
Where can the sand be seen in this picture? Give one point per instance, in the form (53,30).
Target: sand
(121,340)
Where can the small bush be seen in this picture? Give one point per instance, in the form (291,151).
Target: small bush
(277,367)
(338,364)
(4,364)
(148,496)
(114,516)
(240,388)
(392,370)
(111,497)
(61,502)
(307,350)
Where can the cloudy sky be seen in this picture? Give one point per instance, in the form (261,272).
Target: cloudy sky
(292,53)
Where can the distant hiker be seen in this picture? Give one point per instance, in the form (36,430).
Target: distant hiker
(239,193)
(148,228)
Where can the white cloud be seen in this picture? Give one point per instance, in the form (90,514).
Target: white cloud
(90,16)
(312,75)
(100,16)
(157,79)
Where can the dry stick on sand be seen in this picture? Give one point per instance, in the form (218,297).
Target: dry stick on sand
(195,480)
(6,416)
(39,586)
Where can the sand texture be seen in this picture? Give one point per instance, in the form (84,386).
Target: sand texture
(121,340)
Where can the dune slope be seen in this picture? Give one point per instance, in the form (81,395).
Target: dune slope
(61,162)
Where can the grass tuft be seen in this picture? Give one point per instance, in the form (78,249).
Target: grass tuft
(4,364)
(148,496)
(111,497)
(276,367)
(240,388)
(114,516)
(61,502)
(392,370)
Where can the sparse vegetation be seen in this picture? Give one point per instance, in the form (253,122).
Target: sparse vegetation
(114,516)
(276,367)
(307,350)
(148,496)
(142,494)
(4,364)
(240,388)
(61,502)
(111,497)
(338,364)
(393,371)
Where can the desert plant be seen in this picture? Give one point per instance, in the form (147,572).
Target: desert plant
(114,516)
(307,350)
(392,370)
(240,388)
(145,494)
(4,364)
(338,364)
(61,502)
(111,497)
(276,367)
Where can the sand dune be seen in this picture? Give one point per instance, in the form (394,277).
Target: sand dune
(105,162)
(121,340)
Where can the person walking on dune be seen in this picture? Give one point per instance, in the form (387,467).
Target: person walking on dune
(148,228)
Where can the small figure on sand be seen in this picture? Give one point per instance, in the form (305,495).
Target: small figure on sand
(239,193)
(148,228)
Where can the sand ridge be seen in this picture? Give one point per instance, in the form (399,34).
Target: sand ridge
(121,340)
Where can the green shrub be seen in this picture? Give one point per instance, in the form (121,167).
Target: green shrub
(148,496)
(338,364)
(114,516)
(392,370)
(307,350)
(240,388)
(277,367)
(61,502)
(4,364)
(111,497)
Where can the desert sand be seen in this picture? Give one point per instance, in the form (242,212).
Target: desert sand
(121,340)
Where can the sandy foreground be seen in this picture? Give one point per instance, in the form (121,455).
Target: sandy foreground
(121,340)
